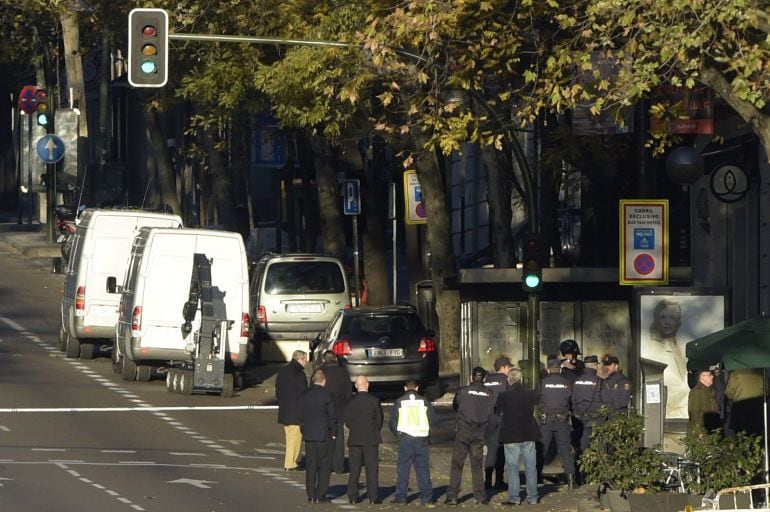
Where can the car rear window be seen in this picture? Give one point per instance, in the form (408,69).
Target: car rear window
(381,325)
(304,277)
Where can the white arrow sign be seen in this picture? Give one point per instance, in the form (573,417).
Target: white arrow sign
(200,484)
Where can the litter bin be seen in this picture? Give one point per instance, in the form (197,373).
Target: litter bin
(426,305)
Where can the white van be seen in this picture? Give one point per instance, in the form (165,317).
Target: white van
(101,247)
(157,286)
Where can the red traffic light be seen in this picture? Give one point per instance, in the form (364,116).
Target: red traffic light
(150,31)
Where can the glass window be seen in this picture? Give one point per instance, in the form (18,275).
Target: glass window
(304,277)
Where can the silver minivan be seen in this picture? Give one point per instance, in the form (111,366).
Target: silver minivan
(292,298)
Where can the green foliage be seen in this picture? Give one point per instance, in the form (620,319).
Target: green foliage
(723,461)
(616,457)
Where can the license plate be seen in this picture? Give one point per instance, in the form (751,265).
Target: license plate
(304,308)
(385,352)
(104,310)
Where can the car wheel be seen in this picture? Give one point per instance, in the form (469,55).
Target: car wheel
(73,347)
(87,350)
(170,380)
(143,373)
(433,390)
(62,338)
(227,385)
(128,369)
(115,356)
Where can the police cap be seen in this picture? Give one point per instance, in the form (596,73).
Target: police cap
(591,359)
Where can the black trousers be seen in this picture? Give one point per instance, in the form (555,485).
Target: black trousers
(318,468)
(467,444)
(368,457)
(338,455)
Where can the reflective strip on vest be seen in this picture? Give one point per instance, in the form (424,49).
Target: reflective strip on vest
(413,417)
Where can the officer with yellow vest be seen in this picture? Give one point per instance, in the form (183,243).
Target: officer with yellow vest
(410,421)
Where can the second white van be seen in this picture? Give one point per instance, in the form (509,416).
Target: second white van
(156,288)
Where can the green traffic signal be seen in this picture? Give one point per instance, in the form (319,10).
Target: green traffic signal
(532,272)
(148,47)
(43,114)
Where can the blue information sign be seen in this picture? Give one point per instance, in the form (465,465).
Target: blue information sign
(644,238)
(352,197)
(50,149)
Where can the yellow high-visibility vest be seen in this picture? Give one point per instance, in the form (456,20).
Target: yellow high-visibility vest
(413,417)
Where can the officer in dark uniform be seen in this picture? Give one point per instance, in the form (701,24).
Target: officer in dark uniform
(497,382)
(586,403)
(318,421)
(555,393)
(616,389)
(473,405)
(571,366)
(338,383)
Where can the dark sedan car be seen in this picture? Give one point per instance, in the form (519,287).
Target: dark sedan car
(387,344)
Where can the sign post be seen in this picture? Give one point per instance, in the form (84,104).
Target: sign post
(352,206)
(644,242)
(50,149)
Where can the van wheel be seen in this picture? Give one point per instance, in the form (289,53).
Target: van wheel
(128,369)
(227,385)
(143,373)
(87,350)
(175,381)
(62,338)
(73,347)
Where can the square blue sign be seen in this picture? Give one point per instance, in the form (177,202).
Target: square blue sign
(644,238)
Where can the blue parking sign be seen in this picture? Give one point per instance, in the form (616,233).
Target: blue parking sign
(644,238)
(352,197)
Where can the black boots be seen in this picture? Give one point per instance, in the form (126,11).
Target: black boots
(488,477)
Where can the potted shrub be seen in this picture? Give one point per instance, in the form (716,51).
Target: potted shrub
(616,460)
(723,461)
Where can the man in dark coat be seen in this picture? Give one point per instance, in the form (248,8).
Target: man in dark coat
(290,383)
(319,426)
(363,416)
(339,385)
(555,394)
(519,433)
(473,405)
(586,406)
(497,382)
(616,388)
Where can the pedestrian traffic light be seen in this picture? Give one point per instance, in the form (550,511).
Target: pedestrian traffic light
(43,111)
(532,271)
(148,47)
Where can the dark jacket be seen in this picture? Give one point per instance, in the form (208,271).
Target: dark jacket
(702,409)
(318,419)
(616,392)
(586,394)
(290,383)
(363,416)
(517,405)
(339,385)
(473,405)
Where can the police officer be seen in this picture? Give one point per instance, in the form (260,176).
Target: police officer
(586,403)
(555,393)
(410,421)
(616,389)
(571,366)
(473,404)
(497,382)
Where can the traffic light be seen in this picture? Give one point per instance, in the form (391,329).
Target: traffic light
(532,271)
(43,110)
(147,47)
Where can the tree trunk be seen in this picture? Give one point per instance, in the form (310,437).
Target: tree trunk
(443,265)
(499,198)
(375,267)
(166,181)
(328,198)
(73,63)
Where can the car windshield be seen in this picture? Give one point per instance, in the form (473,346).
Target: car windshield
(304,277)
(381,325)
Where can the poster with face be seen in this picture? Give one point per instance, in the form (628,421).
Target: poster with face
(667,323)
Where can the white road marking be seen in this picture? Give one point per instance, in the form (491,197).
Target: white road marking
(4,428)
(200,484)
(48,450)
(187,454)
(118,451)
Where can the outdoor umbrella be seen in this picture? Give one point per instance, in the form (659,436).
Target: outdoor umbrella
(743,345)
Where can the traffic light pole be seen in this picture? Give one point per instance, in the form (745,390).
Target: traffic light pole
(50,182)
(533,342)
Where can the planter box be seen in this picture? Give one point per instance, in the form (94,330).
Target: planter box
(662,502)
(618,503)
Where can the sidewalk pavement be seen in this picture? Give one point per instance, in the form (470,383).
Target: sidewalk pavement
(31,241)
